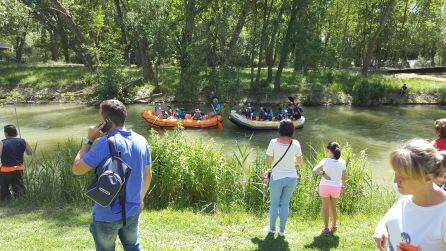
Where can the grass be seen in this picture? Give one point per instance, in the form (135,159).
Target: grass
(66,228)
(231,84)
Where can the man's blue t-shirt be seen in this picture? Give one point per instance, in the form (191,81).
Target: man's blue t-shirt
(136,153)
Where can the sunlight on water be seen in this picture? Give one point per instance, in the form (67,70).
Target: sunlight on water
(378,130)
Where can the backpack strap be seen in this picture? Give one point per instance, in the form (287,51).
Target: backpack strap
(113,147)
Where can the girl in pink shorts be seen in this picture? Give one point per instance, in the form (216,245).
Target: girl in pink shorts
(332,170)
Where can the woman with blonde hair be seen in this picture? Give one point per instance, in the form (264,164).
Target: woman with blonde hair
(417,221)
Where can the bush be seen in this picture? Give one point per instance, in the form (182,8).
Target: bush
(367,91)
(188,172)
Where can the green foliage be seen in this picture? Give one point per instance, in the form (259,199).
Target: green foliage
(188,172)
(366,92)
(48,178)
(191,173)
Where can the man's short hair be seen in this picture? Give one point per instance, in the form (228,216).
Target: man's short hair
(10,130)
(114,110)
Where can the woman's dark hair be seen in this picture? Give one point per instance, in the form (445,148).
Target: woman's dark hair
(10,130)
(286,128)
(335,148)
(114,110)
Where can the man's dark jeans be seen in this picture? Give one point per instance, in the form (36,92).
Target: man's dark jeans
(11,180)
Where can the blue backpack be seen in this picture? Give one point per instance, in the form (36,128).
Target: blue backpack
(111,179)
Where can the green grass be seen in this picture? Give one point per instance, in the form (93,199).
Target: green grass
(231,84)
(67,228)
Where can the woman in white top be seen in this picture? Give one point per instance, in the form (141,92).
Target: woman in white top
(283,154)
(332,170)
(417,221)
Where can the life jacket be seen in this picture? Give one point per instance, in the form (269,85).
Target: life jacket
(12,153)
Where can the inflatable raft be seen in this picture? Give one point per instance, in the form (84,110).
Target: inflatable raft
(243,122)
(153,120)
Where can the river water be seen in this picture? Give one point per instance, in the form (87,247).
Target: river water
(378,130)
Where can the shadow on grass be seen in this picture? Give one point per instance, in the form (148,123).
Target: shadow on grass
(55,215)
(324,242)
(271,243)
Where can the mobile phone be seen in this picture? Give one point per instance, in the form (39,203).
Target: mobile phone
(107,126)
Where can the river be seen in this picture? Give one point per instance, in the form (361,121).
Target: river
(378,129)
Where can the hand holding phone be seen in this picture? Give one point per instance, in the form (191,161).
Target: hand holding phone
(106,126)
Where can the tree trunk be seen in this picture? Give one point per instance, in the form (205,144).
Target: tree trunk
(253,45)
(266,14)
(20,43)
(371,45)
(63,39)
(272,42)
(147,69)
(79,38)
(286,45)
(187,73)
(238,29)
(122,27)
(53,45)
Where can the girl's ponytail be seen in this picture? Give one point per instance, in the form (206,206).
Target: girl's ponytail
(335,148)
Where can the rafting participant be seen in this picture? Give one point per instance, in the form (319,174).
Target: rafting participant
(159,110)
(12,150)
(181,113)
(297,112)
(270,114)
(168,113)
(263,115)
(197,114)
(216,108)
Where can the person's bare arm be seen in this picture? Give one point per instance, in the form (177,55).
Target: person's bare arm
(318,170)
(299,160)
(146,184)
(1,148)
(79,166)
(269,159)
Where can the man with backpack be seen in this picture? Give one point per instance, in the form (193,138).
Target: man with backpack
(119,218)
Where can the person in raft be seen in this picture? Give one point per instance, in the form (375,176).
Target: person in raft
(283,154)
(197,114)
(332,170)
(216,108)
(440,131)
(417,221)
(159,110)
(12,150)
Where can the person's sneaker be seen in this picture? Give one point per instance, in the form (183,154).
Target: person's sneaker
(269,231)
(333,229)
(325,230)
(281,234)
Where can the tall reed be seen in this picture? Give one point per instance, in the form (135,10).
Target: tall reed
(190,172)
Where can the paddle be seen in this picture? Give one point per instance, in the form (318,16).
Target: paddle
(219,124)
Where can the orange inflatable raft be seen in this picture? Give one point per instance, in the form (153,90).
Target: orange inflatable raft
(153,120)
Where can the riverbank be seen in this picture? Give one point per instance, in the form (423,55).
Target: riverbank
(61,83)
(60,227)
